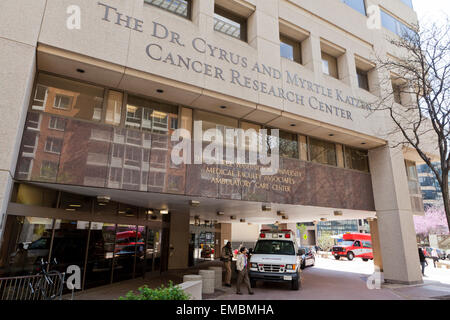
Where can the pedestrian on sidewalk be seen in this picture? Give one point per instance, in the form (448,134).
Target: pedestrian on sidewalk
(434,256)
(423,261)
(227,257)
(242,268)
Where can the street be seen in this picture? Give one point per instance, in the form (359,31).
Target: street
(347,280)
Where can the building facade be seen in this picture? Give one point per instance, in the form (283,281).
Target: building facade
(94,90)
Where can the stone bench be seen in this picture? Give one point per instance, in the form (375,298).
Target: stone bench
(193,288)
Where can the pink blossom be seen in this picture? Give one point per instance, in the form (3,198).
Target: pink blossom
(433,222)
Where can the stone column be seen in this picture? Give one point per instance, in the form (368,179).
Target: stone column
(179,240)
(377,258)
(18,40)
(395,220)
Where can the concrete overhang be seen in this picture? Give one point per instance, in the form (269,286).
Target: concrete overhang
(207,208)
(64,63)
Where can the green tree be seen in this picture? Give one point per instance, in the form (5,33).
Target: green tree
(325,241)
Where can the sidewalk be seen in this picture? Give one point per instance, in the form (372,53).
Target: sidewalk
(329,279)
(116,290)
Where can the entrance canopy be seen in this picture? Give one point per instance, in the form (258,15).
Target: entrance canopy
(219,209)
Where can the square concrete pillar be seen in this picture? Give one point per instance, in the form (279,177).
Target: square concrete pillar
(397,236)
(347,69)
(312,54)
(179,240)
(375,235)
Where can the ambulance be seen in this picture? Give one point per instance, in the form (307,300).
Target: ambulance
(276,258)
(354,245)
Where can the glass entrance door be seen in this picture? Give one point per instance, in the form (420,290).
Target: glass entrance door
(100,254)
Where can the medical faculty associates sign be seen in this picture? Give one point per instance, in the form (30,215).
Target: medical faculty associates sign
(234,75)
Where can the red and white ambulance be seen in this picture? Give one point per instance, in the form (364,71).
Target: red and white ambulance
(354,245)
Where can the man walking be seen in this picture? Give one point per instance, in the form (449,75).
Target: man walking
(227,257)
(242,268)
(434,256)
(423,261)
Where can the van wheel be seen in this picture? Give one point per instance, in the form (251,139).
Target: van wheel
(350,256)
(337,257)
(252,283)
(365,259)
(295,284)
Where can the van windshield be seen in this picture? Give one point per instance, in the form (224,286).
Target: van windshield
(346,243)
(274,247)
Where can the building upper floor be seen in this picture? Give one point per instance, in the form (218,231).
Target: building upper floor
(307,59)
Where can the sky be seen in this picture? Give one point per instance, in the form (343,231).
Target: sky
(431,9)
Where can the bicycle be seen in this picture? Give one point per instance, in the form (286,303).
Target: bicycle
(46,287)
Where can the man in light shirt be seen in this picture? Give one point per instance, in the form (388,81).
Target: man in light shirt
(242,268)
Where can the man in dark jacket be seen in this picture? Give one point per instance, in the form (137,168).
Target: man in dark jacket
(227,257)
(423,261)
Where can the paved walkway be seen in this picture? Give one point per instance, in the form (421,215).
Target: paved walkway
(327,280)
(346,280)
(116,290)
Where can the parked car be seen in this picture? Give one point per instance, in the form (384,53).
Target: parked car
(308,258)
(441,254)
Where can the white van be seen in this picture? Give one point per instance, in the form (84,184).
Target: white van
(276,258)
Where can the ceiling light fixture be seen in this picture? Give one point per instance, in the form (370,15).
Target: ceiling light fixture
(242,220)
(194,203)
(266,208)
(79,70)
(223,107)
(323,219)
(164,211)
(103,200)
(232,217)
(160,90)
(281,213)
(220,213)
(338,213)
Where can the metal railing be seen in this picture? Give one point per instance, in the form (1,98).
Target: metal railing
(36,287)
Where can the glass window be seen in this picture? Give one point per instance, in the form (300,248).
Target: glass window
(394,25)
(411,170)
(322,152)
(53,145)
(56,123)
(397,93)
(40,97)
(114,108)
(100,254)
(274,247)
(363,79)
(358,5)
(62,102)
(149,115)
(408,3)
(230,24)
(288,144)
(70,244)
(179,7)
(329,65)
(356,159)
(290,49)
(68,98)
(29,240)
(49,169)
